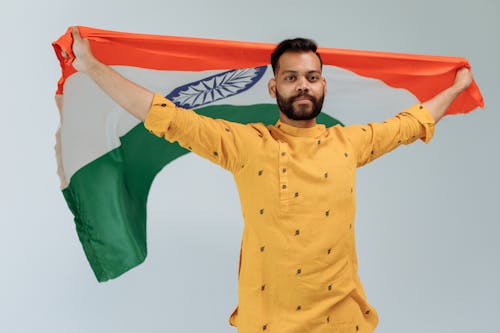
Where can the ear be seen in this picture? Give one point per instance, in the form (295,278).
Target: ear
(324,85)
(271,87)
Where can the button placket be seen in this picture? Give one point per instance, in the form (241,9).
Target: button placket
(283,175)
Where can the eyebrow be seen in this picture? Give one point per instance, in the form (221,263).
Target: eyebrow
(295,72)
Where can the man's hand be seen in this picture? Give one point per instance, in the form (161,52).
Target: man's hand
(463,79)
(84,59)
(130,96)
(438,105)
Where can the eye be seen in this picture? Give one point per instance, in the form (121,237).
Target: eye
(290,78)
(313,77)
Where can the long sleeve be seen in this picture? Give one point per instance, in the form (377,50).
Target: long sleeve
(375,139)
(217,140)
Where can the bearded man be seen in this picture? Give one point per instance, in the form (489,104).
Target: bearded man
(296,181)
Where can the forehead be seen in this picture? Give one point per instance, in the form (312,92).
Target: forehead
(299,61)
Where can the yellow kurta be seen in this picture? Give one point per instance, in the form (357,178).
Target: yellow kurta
(298,263)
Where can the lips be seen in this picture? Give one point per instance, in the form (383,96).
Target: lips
(303,97)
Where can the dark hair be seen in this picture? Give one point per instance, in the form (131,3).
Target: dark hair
(293,45)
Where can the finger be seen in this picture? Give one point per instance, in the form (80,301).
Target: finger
(462,71)
(76,33)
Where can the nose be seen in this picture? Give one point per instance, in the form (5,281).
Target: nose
(302,84)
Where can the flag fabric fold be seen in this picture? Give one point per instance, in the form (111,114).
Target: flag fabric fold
(107,161)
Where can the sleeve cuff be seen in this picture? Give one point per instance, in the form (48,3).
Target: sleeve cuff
(424,117)
(160,115)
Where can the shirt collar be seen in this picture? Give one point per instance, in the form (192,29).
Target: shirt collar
(314,131)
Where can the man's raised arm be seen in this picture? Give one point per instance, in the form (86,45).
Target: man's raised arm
(438,105)
(130,96)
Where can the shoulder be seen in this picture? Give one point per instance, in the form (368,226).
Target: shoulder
(352,130)
(249,130)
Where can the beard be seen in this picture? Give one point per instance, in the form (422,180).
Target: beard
(301,111)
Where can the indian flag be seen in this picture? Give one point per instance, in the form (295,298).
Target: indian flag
(107,160)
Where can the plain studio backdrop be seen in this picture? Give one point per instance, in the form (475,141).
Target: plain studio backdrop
(428,215)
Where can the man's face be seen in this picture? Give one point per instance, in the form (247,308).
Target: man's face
(298,86)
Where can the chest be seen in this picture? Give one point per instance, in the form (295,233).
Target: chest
(299,173)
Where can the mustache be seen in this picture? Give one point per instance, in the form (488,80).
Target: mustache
(302,95)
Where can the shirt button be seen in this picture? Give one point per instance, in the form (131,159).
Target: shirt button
(283,154)
(163,104)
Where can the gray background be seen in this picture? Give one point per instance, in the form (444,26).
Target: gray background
(427,223)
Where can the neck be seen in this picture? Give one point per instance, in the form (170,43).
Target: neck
(297,123)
